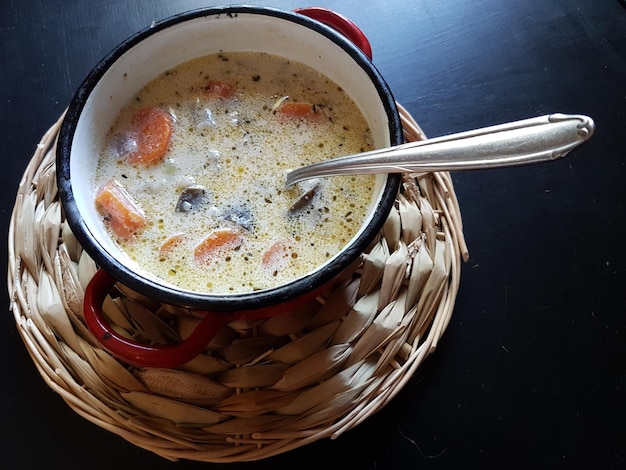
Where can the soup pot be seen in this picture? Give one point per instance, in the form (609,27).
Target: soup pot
(316,37)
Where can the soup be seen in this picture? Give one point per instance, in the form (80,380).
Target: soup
(190,181)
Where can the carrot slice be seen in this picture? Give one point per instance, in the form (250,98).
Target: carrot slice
(124,216)
(277,254)
(217,242)
(219,89)
(153,129)
(300,110)
(169,244)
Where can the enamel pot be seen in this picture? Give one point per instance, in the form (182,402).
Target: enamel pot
(316,37)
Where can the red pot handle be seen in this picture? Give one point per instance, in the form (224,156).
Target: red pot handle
(140,354)
(340,23)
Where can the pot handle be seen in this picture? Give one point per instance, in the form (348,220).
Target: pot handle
(140,354)
(341,24)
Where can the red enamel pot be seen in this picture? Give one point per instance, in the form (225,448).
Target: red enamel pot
(317,37)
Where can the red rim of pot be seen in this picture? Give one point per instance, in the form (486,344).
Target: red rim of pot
(235,302)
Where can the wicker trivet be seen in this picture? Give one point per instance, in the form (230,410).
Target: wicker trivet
(261,388)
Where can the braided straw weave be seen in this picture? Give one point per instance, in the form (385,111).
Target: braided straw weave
(261,388)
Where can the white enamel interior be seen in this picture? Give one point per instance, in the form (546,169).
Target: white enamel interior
(198,37)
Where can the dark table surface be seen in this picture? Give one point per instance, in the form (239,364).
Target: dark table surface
(531,372)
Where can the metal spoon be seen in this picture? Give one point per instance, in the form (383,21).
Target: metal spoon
(531,140)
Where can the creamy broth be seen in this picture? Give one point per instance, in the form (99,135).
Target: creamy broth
(227,156)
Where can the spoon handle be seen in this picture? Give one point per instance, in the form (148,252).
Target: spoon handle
(531,140)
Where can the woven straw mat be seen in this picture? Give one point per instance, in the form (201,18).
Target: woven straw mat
(261,388)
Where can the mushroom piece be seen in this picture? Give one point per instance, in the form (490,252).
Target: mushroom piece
(191,198)
(241,216)
(306,197)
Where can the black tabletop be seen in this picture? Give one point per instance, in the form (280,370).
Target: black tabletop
(531,372)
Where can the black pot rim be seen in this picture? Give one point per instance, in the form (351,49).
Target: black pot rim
(206,301)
